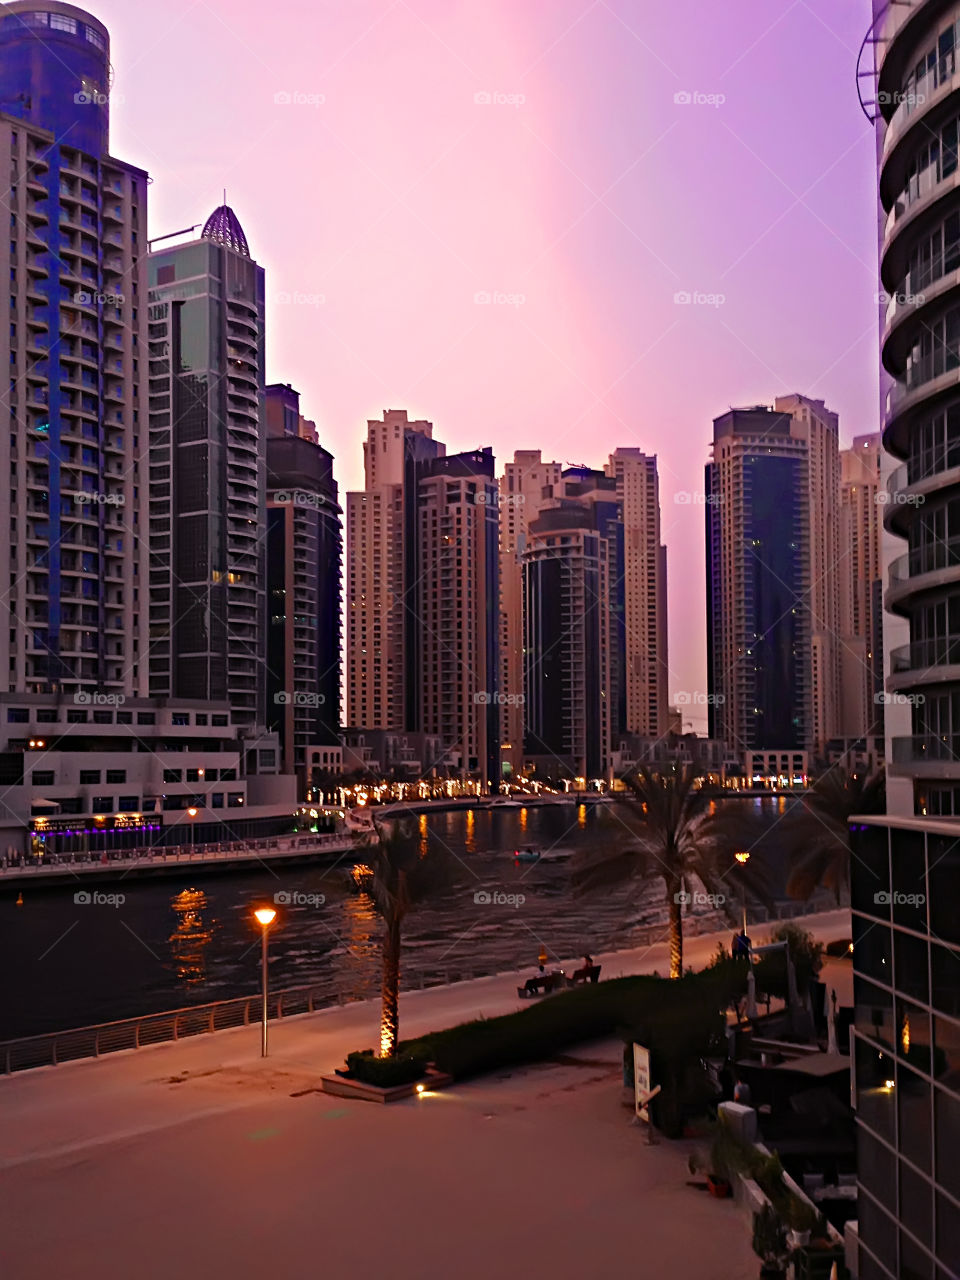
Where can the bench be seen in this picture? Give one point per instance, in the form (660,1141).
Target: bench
(541,985)
(586,974)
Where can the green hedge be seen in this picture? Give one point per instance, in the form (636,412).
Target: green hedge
(387,1072)
(680,1020)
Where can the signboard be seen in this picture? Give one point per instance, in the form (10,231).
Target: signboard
(641,1081)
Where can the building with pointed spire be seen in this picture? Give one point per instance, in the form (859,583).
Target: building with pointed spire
(207,476)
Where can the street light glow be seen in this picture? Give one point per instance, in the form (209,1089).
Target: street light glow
(265,915)
(742,857)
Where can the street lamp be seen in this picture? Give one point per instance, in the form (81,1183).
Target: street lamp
(743,857)
(265,917)
(191,814)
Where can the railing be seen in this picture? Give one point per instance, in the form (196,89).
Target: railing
(923,655)
(921,748)
(160,855)
(103,1038)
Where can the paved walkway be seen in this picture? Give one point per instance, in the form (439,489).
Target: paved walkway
(199,1158)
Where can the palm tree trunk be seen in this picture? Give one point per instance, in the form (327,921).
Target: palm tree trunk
(390,991)
(676,928)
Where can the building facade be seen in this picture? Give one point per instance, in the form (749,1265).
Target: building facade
(207,478)
(382,573)
(304,557)
(861,494)
(74,261)
(647,671)
(906,872)
(575,654)
(455,685)
(757,554)
(526,485)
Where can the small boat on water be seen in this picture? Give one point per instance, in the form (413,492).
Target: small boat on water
(527,855)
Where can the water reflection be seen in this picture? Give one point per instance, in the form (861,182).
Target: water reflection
(470,834)
(192,936)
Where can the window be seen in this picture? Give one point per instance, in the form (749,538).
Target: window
(124,717)
(216,800)
(234,799)
(129,804)
(42,777)
(173,775)
(46,716)
(17,715)
(194,775)
(102,804)
(103,717)
(76,717)
(89,777)
(220,722)
(180,718)
(146,717)
(200,718)
(116,775)
(60,22)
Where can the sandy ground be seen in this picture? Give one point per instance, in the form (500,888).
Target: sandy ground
(200,1159)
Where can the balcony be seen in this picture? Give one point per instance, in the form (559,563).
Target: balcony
(927,755)
(925,662)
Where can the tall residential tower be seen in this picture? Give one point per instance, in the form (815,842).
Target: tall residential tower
(73,451)
(207,491)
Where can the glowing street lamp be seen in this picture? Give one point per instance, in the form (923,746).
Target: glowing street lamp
(192,814)
(265,917)
(743,857)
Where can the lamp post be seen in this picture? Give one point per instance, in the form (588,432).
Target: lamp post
(265,917)
(743,857)
(192,815)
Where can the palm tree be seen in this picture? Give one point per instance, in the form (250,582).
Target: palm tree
(682,832)
(819,836)
(401,871)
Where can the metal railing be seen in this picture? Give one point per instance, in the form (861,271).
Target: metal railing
(55,1047)
(161,855)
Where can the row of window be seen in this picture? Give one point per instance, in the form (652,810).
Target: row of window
(79,715)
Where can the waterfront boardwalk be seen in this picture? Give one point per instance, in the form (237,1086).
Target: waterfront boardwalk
(199,1158)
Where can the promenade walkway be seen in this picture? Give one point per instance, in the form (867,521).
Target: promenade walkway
(198,1158)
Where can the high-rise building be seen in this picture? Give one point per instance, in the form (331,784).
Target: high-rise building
(758,632)
(861,675)
(906,872)
(456,599)
(574,650)
(526,485)
(774,576)
(304,556)
(646,682)
(382,574)
(815,424)
(207,489)
(74,559)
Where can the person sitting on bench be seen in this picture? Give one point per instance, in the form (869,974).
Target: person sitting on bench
(589,971)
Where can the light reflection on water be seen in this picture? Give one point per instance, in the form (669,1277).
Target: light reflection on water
(173,943)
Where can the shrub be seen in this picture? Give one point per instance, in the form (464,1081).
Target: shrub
(807,955)
(680,1020)
(404,1068)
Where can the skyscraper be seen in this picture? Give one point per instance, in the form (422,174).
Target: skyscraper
(526,485)
(382,574)
(861,676)
(207,483)
(456,599)
(773,576)
(574,649)
(304,556)
(646,680)
(74,257)
(906,872)
(758,632)
(814,423)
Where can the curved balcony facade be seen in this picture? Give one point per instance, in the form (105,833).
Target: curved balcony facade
(918,110)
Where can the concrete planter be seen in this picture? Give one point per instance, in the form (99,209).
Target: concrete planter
(348,1087)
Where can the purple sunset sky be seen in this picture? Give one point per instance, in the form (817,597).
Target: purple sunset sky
(399,198)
